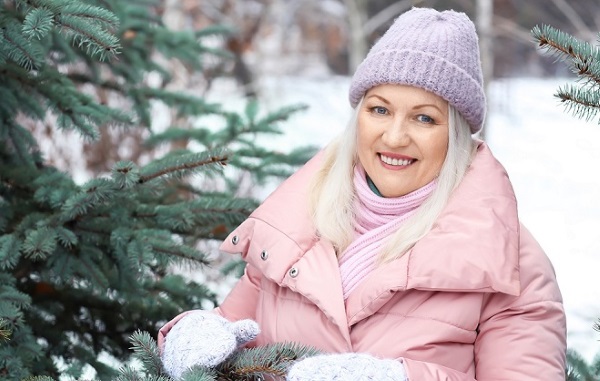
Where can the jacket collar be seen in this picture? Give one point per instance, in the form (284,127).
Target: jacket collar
(473,245)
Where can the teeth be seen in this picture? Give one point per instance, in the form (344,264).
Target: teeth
(398,162)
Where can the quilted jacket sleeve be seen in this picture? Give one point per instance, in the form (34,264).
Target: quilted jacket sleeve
(524,337)
(242,300)
(519,337)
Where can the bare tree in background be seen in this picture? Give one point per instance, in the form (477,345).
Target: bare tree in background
(362,25)
(485,13)
(357,12)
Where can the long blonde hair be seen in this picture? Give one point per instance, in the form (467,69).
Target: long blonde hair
(332,192)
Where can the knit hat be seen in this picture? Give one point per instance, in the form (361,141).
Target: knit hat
(436,51)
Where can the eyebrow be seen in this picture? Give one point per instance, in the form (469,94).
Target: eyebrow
(429,105)
(380,97)
(415,108)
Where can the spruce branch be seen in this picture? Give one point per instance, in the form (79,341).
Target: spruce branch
(9,251)
(584,61)
(557,41)
(580,102)
(38,23)
(180,252)
(91,270)
(74,20)
(271,359)
(180,165)
(583,56)
(39,244)
(146,350)
(19,50)
(125,174)
(199,373)
(91,14)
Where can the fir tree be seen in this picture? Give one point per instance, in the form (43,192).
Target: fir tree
(583,58)
(583,101)
(84,266)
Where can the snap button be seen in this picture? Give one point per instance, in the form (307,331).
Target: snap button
(294,272)
(235,240)
(264,255)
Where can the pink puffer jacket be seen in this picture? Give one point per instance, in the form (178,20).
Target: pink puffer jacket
(475,299)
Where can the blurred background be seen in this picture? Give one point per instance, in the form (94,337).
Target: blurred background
(327,39)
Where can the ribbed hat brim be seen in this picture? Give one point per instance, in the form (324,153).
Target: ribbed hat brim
(436,51)
(433,73)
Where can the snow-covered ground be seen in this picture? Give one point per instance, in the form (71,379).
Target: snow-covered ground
(552,159)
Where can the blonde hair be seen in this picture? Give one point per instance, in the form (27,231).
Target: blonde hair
(332,192)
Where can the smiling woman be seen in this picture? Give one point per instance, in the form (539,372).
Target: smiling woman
(402,137)
(398,250)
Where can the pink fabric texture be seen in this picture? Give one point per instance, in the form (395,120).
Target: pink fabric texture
(475,299)
(376,219)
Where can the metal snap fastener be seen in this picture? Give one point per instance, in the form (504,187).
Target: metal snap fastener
(264,255)
(294,272)
(235,240)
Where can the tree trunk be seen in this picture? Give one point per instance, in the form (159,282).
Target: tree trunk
(485,13)
(357,14)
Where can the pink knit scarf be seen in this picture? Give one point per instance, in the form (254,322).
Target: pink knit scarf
(376,219)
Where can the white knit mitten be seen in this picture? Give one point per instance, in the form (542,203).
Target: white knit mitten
(346,367)
(204,338)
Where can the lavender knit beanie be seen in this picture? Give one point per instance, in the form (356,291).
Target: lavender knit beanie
(436,51)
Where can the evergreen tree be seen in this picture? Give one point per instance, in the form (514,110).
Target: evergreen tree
(84,266)
(583,101)
(583,58)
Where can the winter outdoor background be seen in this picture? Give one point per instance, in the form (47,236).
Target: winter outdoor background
(551,157)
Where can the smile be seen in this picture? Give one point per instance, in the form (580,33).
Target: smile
(396,162)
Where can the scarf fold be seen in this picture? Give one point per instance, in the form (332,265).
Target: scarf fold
(376,219)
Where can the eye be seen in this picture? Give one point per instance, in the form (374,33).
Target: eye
(379,110)
(425,119)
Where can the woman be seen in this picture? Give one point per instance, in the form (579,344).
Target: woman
(398,250)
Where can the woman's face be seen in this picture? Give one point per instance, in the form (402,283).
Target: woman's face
(402,137)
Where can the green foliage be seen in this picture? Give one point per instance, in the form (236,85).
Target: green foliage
(83,266)
(583,100)
(579,370)
(270,361)
(240,132)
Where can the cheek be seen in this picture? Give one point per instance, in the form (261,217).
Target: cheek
(363,137)
(440,149)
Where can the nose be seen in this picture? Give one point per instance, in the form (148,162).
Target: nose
(397,134)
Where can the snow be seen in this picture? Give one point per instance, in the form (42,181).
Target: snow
(552,159)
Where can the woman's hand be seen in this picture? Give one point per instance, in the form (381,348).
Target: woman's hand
(206,339)
(346,367)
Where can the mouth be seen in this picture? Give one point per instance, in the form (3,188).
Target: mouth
(396,162)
